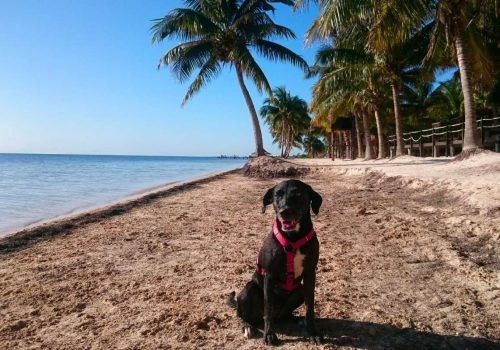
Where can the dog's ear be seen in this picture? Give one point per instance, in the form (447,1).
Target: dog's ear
(268,199)
(316,200)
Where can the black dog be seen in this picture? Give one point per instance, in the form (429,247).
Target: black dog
(286,265)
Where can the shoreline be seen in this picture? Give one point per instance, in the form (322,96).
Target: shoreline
(81,216)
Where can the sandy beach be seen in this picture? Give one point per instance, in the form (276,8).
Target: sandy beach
(410,259)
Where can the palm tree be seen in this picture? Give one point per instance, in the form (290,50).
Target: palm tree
(333,96)
(219,33)
(456,21)
(352,63)
(456,38)
(287,118)
(447,101)
(417,100)
(401,64)
(352,23)
(463,28)
(313,145)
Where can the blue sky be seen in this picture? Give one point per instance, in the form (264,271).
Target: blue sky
(80,77)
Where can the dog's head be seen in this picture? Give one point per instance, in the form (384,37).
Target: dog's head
(292,200)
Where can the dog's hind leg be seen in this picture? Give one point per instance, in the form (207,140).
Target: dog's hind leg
(293,301)
(250,307)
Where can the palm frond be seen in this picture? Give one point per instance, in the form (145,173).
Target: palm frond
(270,30)
(182,23)
(277,52)
(184,58)
(207,73)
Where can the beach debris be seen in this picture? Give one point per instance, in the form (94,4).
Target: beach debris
(360,210)
(17,326)
(80,307)
(35,313)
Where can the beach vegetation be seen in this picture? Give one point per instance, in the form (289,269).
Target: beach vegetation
(313,144)
(287,117)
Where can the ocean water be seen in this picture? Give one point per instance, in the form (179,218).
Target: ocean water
(35,187)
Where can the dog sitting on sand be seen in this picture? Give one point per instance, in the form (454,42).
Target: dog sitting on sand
(285,276)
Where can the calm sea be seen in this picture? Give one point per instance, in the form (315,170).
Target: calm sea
(36,187)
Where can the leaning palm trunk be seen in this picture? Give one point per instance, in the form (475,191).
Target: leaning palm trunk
(358,135)
(259,145)
(471,137)
(380,135)
(366,130)
(397,119)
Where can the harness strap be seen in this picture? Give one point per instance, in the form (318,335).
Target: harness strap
(290,249)
(284,242)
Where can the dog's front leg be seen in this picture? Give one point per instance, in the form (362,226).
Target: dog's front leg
(270,337)
(309,286)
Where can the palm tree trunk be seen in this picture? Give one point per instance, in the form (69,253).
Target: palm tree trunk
(288,142)
(347,143)
(366,130)
(380,135)
(358,135)
(471,137)
(397,118)
(259,144)
(282,138)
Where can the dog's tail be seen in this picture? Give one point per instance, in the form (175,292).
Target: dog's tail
(231,300)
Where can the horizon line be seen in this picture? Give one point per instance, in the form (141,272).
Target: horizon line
(121,155)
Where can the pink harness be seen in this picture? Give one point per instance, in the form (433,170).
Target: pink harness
(290,249)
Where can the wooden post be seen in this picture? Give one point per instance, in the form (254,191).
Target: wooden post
(433,144)
(411,143)
(332,141)
(481,123)
(421,145)
(447,152)
(330,151)
(353,149)
(343,145)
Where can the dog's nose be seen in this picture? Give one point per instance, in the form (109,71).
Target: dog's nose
(284,213)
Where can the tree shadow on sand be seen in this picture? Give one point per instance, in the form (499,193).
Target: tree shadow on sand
(374,336)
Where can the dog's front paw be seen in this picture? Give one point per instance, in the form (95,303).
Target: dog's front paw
(315,339)
(249,332)
(271,339)
(313,335)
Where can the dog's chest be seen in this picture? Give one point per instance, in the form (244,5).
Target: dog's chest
(298,263)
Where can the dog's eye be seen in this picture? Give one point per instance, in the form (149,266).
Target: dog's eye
(279,193)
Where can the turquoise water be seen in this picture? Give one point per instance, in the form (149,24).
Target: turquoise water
(35,187)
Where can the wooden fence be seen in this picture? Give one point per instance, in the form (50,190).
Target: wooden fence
(446,140)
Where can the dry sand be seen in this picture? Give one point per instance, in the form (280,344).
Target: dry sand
(406,262)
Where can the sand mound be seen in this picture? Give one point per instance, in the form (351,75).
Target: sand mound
(471,153)
(269,167)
